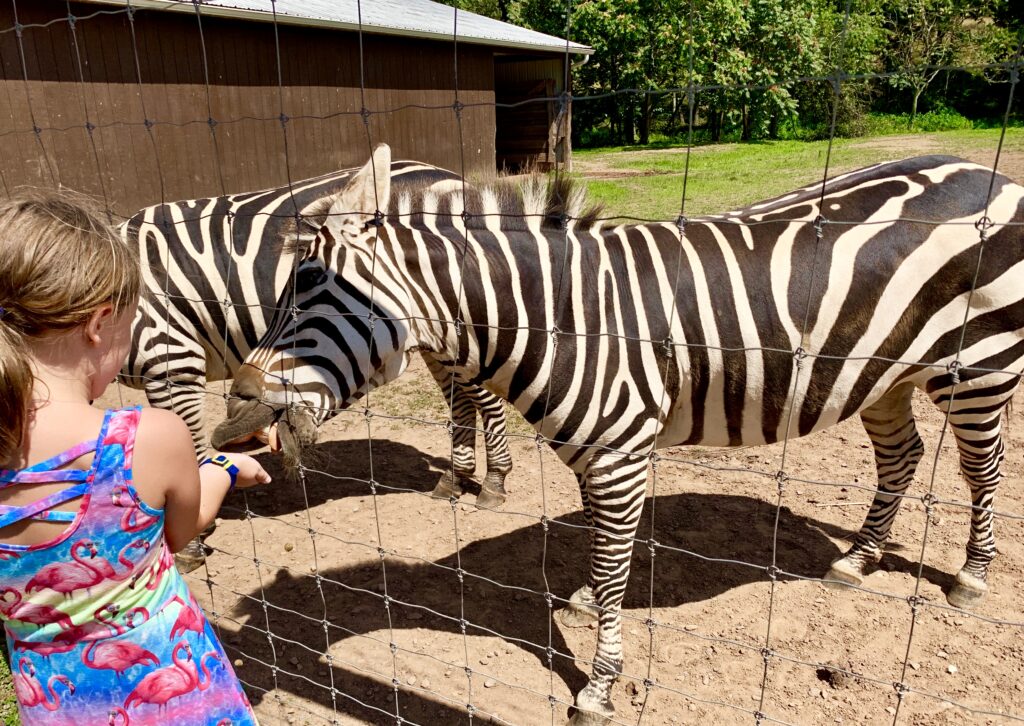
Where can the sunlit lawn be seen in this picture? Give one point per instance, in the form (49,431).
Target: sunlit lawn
(648,183)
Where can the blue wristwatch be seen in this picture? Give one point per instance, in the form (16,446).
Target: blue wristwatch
(224,463)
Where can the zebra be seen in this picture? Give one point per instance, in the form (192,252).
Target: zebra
(198,253)
(614,340)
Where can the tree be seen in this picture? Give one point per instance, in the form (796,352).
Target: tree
(927,35)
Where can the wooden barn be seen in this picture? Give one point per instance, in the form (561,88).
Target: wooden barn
(157,100)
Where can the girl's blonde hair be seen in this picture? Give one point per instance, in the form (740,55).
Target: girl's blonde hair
(59,261)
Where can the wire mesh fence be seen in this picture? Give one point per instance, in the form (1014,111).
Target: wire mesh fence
(348,593)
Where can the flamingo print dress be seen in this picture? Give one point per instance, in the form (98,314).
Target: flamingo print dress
(101,628)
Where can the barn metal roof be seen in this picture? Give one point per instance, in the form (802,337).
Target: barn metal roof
(413,18)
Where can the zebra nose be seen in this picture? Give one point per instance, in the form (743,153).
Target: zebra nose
(248,383)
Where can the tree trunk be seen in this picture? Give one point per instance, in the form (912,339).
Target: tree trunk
(645,121)
(913,106)
(715,121)
(745,134)
(773,126)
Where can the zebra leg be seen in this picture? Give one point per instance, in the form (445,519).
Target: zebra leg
(582,610)
(182,395)
(499,460)
(185,398)
(889,423)
(463,442)
(615,486)
(979,438)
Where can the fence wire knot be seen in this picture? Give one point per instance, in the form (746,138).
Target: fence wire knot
(984,223)
(211,122)
(651,624)
(954,369)
(819,226)
(681,222)
(773,572)
(652,545)
(781,479)
(668,347)
(766,654)
(283,118)
(394,647)
(901,689)
(930,500)
(916,601)
(759,717)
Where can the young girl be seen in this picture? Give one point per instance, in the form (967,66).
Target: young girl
(101,628)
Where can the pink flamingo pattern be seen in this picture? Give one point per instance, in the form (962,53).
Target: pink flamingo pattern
(133,519)
(12,607)
(30,692)
(87,644)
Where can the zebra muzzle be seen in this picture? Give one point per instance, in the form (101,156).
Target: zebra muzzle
(245,419)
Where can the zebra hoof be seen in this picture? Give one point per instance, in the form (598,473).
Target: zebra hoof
(591,718)
(191,557)
(967,591)
(447,488)
(841,575)
(581,611)
(591,709)
(490,498)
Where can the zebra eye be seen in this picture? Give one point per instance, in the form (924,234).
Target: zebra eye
(310,276)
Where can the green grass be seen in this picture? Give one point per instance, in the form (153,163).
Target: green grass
(648,183)
(8,704)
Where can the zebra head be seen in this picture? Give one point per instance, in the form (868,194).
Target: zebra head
(342,327)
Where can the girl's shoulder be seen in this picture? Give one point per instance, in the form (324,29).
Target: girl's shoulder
(163,447)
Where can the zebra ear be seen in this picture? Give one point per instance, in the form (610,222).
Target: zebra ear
(368,191)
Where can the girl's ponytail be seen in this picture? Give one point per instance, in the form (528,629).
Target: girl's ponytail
(15,390)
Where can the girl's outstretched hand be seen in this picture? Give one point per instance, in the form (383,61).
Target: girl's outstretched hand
(250,473)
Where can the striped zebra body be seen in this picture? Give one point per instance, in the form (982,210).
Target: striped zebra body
(214,272)
(746,328)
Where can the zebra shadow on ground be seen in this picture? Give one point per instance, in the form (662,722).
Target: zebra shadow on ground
(426,596)
(398,467)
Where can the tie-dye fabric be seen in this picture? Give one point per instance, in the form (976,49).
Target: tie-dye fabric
(101,628)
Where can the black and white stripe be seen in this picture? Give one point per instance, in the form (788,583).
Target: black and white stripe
(770,322)
(198,254)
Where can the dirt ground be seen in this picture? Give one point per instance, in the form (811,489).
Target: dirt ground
(383,630)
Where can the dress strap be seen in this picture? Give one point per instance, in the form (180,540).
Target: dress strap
(49,470)
(38,509)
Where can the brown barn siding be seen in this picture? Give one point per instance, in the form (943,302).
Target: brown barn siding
(409,87)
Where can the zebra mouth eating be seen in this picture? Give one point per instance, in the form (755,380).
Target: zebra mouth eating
(244,418)
(291,431)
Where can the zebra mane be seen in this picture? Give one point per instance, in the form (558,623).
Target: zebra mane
(510,203)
